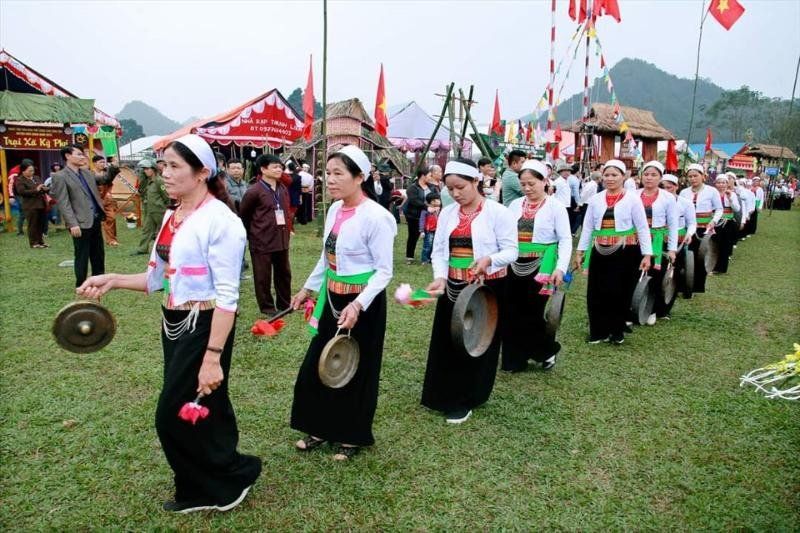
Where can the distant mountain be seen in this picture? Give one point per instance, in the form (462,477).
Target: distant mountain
(643,85)
(190,120)
(153,122)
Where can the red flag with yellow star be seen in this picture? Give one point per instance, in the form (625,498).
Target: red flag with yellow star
(727,12)
(308,104)
(381,120)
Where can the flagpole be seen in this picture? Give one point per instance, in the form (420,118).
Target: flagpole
(552,73)
(703,15)
(323,201)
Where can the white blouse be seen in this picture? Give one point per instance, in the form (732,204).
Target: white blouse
(686,218)
(628,213)
(562,191)
(550,225)
(665,213)
(494,234)
(707,201)
(205,257)
(365,243)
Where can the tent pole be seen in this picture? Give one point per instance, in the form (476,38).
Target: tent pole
(6,200)
(478,139)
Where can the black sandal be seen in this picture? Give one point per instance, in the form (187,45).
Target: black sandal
(310,443)
(348,452)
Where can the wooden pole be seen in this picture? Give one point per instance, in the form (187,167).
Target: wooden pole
(465,105)
(447,96)
(6,198)
(323,201)
(91,152)
(703,15)
(451,120)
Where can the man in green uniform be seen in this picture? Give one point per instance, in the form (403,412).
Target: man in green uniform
(154,204)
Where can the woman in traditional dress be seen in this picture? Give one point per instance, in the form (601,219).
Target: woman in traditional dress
(351,277)
(661,210)
(726,231)
(197,261)
(616,228)
(475,240)
(708,211)
(545,247)
(687,225)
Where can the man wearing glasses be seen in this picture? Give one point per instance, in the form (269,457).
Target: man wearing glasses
(75,190)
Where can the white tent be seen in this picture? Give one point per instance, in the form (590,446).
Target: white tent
(410,128)
(138,148)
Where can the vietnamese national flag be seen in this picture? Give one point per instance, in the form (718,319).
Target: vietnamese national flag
(606,7)
(308,104)
(381,120)
(727,12)
(580,15)
(496,128)
(709,138)
(672,156)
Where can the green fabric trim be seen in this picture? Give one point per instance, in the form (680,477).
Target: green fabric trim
(704,220)
(608,232)
(727,216)
(355,279)
(758,204)
(460,262)
(549,253)
(658,242)
(42,108)
(682,232)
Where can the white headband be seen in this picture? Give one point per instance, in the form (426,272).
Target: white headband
(670,178)
(462,169)
(698,168)
(200,148)
(656,165)
(359,158)
(722,177)
(536,166)
(615,163)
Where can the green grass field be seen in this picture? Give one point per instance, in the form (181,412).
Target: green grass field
(655,434)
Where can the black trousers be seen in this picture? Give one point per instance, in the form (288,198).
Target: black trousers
(413,237)
(36,223)
(89,249)
(725,236)
(203,456)
(265,266)
(612,280)
(305,213)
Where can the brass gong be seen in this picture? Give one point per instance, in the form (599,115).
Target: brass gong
(338,361)
(474,319)
(669,284)
(84,327)
(553,311)
(642,302)
(688,273)
(708,252)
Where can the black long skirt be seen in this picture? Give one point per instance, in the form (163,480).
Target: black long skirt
(203,457)
(523,329)
(752,223)
(612,280)
(342,415)
(700,273)
(455,380)
(656,285)
(725,237)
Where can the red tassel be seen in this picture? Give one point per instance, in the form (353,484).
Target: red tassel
(309,309)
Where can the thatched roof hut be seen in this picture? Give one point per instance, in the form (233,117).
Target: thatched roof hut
(770,151)
(641,123)
(349,123)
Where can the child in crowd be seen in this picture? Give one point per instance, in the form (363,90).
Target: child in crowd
(427,225)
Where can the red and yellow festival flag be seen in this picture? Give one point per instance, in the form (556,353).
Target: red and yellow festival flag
(727,12)
(496,128)
(308,104)
(381,119)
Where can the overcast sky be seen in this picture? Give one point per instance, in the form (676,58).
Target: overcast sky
(198,58)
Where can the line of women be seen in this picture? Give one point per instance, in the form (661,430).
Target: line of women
(521,254)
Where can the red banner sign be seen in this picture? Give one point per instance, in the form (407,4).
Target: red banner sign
(33,138)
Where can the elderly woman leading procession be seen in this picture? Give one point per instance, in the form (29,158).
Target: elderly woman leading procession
(545,248)
(351,276)
(616,228)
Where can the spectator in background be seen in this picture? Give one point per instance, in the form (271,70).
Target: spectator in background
(264,210)
(15,203)
(415,204)
(294,187)
(30,192)
(105,187)
(575,198)
(235,182)
(511,189)
(427,225)
(100,168)
(306,195)
(378,188)
(155,202)
(53,215)
(75,191)
(160,164)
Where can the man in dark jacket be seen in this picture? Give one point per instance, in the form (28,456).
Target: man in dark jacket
(264,210)
(378,187)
